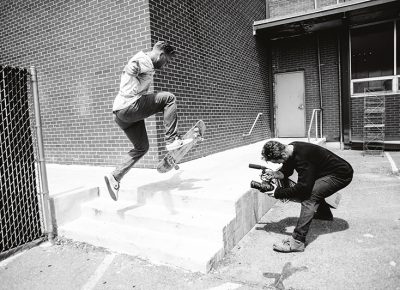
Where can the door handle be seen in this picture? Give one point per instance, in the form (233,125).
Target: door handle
(301,107)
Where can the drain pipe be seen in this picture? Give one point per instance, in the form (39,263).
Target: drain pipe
(320,84)
(340,94)
(44,194)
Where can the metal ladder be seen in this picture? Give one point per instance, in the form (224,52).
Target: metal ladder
(374,125)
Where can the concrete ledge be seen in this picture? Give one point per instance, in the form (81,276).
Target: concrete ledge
(66,206)
(319,141)
(250,208)
(161,248)
(209,195)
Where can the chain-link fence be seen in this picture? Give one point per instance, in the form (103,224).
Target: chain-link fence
(21,217)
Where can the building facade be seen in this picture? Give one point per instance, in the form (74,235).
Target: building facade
(344,52)
(236,59)
(80,48)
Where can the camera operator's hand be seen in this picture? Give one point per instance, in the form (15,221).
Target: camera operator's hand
(268,175)
(271,193)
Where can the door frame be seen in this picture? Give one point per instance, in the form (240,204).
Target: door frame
(275,105)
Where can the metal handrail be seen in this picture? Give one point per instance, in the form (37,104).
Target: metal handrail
(252,127)
(315,113)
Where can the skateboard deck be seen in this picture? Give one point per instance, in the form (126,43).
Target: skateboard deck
(171,159)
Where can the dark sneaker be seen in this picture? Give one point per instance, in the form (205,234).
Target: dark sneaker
(323,213)
(289,245)
(323,217)
(112,186)
(178,143)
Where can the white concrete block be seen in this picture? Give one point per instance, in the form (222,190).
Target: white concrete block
(180,251)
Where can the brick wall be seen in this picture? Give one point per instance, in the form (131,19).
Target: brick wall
(301,54)
(219,72)
(392,118)
(285,7)
(80,48)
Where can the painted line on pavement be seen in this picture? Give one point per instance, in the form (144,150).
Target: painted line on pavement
(226,286)
(101,269)
(395,170)
(12,258)
(378,187)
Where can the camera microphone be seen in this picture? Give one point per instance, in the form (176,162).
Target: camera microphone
(256,166)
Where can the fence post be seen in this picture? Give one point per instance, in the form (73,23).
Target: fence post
(45,199)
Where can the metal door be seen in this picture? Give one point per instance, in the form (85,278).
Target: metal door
(289,104)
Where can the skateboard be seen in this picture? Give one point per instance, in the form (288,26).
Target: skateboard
(171,159)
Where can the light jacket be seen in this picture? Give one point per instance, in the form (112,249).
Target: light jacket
(136,80)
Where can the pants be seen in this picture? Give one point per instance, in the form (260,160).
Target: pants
(323,187)
(131,121)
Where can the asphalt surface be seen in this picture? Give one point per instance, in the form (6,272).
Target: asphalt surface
(359,249)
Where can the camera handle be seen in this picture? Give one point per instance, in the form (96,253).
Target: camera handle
(263,169)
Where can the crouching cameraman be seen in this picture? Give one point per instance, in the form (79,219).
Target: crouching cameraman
(321,173)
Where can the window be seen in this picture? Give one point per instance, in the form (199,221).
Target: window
(373,67)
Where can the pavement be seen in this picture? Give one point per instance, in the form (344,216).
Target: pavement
(357,250)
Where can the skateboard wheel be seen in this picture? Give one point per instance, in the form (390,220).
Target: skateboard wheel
(176,167)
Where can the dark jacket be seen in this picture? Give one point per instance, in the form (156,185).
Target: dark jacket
(311,162)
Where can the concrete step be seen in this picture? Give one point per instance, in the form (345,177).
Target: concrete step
(180,221)
(174,199)
(190,217)
(319,141)
(66,206)
(189,253)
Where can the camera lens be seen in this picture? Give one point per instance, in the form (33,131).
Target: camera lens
(263,187)
(255,184)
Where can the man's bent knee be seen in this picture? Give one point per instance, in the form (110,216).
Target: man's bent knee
(165,98)
(138,152)
(169,97)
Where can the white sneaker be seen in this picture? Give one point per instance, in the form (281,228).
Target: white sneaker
(178,143)
(112,186)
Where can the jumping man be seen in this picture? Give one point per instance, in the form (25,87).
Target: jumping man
(134,103)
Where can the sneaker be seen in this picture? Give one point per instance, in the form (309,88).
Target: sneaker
(112,186)
(289,245)
(324,213)
(323,217)
(178,143)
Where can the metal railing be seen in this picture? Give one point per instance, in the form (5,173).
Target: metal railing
(315,114)
(254,124)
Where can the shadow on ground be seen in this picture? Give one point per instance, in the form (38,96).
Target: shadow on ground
(318,227)
(287,271)
(165,188)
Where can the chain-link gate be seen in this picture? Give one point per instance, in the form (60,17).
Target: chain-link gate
(21,204)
